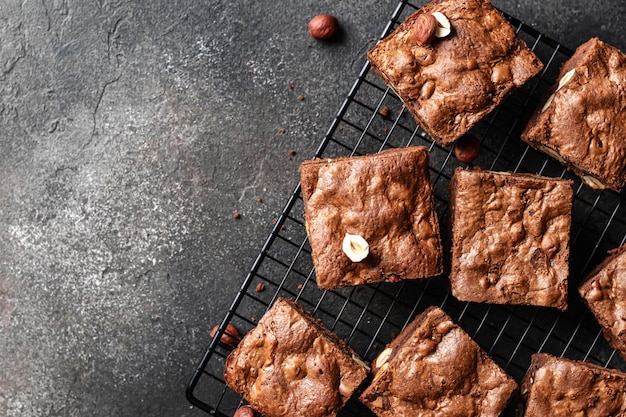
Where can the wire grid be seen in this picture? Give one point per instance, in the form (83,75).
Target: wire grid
(368,316)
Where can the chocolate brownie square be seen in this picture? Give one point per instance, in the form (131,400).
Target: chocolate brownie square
(452,82)
(604,291)
(434,368)
(291,365)
(559,387)
(378,206)
(583,123)
(510,238)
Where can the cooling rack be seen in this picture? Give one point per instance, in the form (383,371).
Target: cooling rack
(367,317)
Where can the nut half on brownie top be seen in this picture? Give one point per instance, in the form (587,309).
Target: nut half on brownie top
(604,291)
(371,218)
(450,83)
(434,368)
(510,238)
(291,365)
(582,123)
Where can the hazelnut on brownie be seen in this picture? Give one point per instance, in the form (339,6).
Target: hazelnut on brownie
(371,218)
(434,368)
(451,63)
(582,123)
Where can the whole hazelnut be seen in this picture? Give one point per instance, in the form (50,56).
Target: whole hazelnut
(323,27)
(467,148)
(245,411)
(230,337)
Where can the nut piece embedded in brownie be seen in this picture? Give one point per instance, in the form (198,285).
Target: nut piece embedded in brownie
(582,124)
(451,82)
(510,238)
(290,365)
(371,218)
(604,291)
(559,387)
(434,368)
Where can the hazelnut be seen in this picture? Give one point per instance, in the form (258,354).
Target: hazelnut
(323,27)
(259,287)
(355,247)
(245,411)
(443,25)
(230,337)
(425,27)
(467,148)
(384,112)
(565,78)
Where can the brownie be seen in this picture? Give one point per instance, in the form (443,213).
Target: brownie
(289,364)
(434,368)
(384,198)
(510,238)
(604,292)
(451,83)
(559,387)
(582,123)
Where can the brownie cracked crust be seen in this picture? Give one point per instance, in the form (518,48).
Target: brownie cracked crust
(453,82)
(434,368)
(385,198)
(559,387)
(290,365)
(604,292)
(510,238)
(582,124)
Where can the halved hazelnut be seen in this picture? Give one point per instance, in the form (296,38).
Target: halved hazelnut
(565,78)
(547,103)
(355,247)
(443,25)
(360,362)
(593,182)
(382,358)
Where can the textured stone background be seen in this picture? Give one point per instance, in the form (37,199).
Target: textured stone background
(129,134)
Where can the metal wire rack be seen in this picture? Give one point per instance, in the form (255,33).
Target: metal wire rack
(369,316)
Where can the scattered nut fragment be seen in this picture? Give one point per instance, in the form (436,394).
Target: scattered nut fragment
(259,287)
(292,152)
(323,27)
(231,335)
(425,28)
(245,411)
(467,148)
(384,112)
(301,97)
(236,215)
(443,25)
(355,247)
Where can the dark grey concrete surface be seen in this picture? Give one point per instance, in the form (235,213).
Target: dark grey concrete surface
(129,134)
